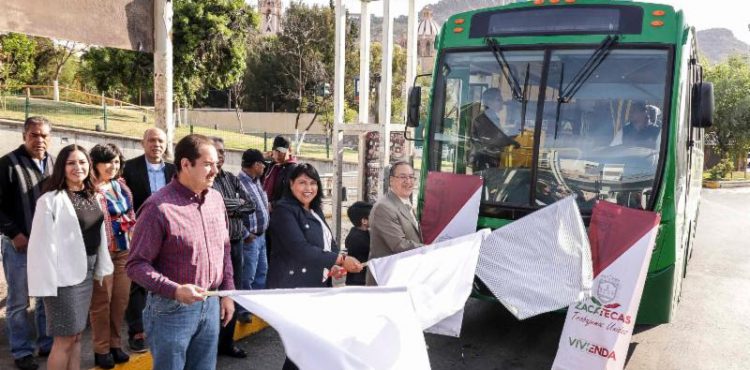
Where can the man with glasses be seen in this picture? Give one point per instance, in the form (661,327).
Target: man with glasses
(393,224)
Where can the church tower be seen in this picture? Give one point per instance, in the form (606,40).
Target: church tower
(270,16)
(427,31)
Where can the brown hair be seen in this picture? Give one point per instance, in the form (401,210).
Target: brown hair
(189,148)
(104,154)
(56,182)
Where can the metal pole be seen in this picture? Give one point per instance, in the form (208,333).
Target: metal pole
(364,87)
(386,79)
(338,116)
(364,64)
(105,117)
(411,50)
(27,104)
(163,98)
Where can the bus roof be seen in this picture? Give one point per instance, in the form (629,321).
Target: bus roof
(656,23)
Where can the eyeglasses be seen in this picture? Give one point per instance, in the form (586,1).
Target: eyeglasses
(405,177)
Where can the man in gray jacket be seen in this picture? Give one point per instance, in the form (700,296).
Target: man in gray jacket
(393,224)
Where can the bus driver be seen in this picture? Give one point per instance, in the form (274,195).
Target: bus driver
(487,137)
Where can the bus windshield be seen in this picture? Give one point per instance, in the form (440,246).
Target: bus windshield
(504,119)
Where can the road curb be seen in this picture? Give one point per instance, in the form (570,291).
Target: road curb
(143,361)
(712,184)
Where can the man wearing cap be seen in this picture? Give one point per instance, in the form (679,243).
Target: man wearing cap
(276,175)
(255,260)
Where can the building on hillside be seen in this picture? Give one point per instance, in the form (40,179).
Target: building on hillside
(427,31)
(270,16)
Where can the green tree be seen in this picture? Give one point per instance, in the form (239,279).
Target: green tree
(398,71)
(209,38)
(16,60)
(731,126)
(306,58)
(122,74)
(263,79)
(53,63)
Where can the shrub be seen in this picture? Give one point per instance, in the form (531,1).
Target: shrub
(721,169)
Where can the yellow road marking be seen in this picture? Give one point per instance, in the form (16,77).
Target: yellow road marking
(143,361)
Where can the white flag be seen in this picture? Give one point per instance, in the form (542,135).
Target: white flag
(439,278)
(539,263)
(343,328)
(597,330)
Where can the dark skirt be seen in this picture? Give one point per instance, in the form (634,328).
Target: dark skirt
(67,313)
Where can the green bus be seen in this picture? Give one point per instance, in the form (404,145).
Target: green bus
(599,99)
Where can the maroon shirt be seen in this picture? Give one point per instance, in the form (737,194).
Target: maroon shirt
(181,238)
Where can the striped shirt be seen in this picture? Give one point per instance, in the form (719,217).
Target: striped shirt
(120,216)
(181,238)
(256,222)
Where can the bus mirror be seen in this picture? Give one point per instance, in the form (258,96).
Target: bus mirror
(415,99)
(703,105)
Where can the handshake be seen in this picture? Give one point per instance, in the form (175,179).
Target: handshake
(344,264)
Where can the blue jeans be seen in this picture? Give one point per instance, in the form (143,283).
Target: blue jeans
(182,336)
(255,266)
(20,331)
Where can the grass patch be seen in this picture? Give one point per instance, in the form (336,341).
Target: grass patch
(734,175)
(132,122)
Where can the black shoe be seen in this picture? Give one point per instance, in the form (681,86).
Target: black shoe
(245,317)
(26,363)
(104,361)
(233,351)
(137,344)
(43,353)
(119,355)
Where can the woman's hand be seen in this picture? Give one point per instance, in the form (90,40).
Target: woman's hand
(351,264)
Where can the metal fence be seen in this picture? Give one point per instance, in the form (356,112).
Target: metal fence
(125,119)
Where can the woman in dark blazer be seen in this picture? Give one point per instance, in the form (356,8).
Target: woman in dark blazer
(303,243)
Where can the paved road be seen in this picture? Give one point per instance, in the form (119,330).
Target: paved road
(710,330)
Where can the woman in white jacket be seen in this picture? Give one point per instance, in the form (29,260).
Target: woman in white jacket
(67,251)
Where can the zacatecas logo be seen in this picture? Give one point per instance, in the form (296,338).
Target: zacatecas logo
(605,306)
(607,288)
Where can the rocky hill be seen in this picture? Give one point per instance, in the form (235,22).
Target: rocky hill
(717,44)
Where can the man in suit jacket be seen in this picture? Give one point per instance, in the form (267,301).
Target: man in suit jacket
(144,175)
(393,224)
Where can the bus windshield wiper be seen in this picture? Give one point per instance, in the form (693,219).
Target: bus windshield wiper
(588,68)
(596,59)
(525,99)
(515,87)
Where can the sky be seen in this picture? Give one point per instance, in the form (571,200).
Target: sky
(703,14)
